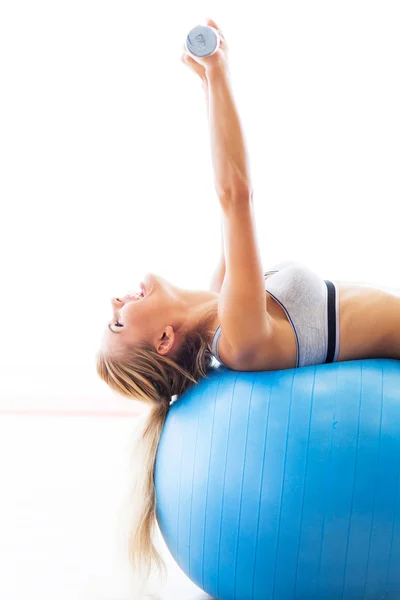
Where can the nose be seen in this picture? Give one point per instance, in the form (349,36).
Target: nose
(116,301)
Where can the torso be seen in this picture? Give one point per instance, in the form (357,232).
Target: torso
(369,327)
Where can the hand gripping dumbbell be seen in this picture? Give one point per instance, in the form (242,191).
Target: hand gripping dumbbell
(202,40)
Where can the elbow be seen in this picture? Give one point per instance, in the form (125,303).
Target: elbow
(236,195)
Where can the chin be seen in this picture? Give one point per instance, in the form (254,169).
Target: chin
(151,280)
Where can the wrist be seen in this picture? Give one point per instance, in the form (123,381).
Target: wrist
(216,68)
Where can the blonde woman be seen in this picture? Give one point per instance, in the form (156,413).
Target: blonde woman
(156,346)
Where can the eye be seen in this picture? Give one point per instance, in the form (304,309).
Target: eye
(117,324)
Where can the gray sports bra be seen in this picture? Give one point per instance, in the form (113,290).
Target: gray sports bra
(311,305)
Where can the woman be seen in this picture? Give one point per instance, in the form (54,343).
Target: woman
(156,346)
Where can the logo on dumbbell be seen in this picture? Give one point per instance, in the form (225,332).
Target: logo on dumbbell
(200,39)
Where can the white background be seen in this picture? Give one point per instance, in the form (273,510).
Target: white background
(106,174)
(106,169)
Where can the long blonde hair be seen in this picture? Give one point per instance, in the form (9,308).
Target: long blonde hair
(140,373)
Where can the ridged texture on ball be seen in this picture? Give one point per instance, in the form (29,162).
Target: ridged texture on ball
(285,485)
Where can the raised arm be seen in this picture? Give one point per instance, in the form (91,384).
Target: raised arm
(228,146)
(227,139)
(218,276)
(230,161)
(246,325)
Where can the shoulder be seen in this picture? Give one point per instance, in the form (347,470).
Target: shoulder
(267,355)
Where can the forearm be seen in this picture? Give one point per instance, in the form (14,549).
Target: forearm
(228,147)
(220,270)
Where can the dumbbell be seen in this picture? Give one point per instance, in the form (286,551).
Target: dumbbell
(202,40)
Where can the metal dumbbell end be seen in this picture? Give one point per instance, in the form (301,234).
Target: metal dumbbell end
(202,41)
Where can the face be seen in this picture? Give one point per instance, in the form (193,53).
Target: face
(149,319)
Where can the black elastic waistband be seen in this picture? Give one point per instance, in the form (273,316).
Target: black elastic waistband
(330,355)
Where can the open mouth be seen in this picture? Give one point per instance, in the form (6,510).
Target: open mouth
(137,295)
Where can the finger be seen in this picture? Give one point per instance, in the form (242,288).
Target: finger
(186,60)
(213,24)
(186,51)
(189,60)
(193,65)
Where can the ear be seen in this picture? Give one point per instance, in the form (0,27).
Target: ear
(166,342)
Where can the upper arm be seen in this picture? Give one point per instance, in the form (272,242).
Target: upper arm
(244,319)
(219,273)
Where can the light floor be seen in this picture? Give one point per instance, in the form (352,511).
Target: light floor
(64,481)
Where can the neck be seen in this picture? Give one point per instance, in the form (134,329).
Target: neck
(199,304)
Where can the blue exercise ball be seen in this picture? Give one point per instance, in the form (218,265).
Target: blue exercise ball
(285,485)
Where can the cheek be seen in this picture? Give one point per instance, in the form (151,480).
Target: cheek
(138,312)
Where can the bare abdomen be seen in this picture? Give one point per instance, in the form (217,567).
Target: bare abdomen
(369,322)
